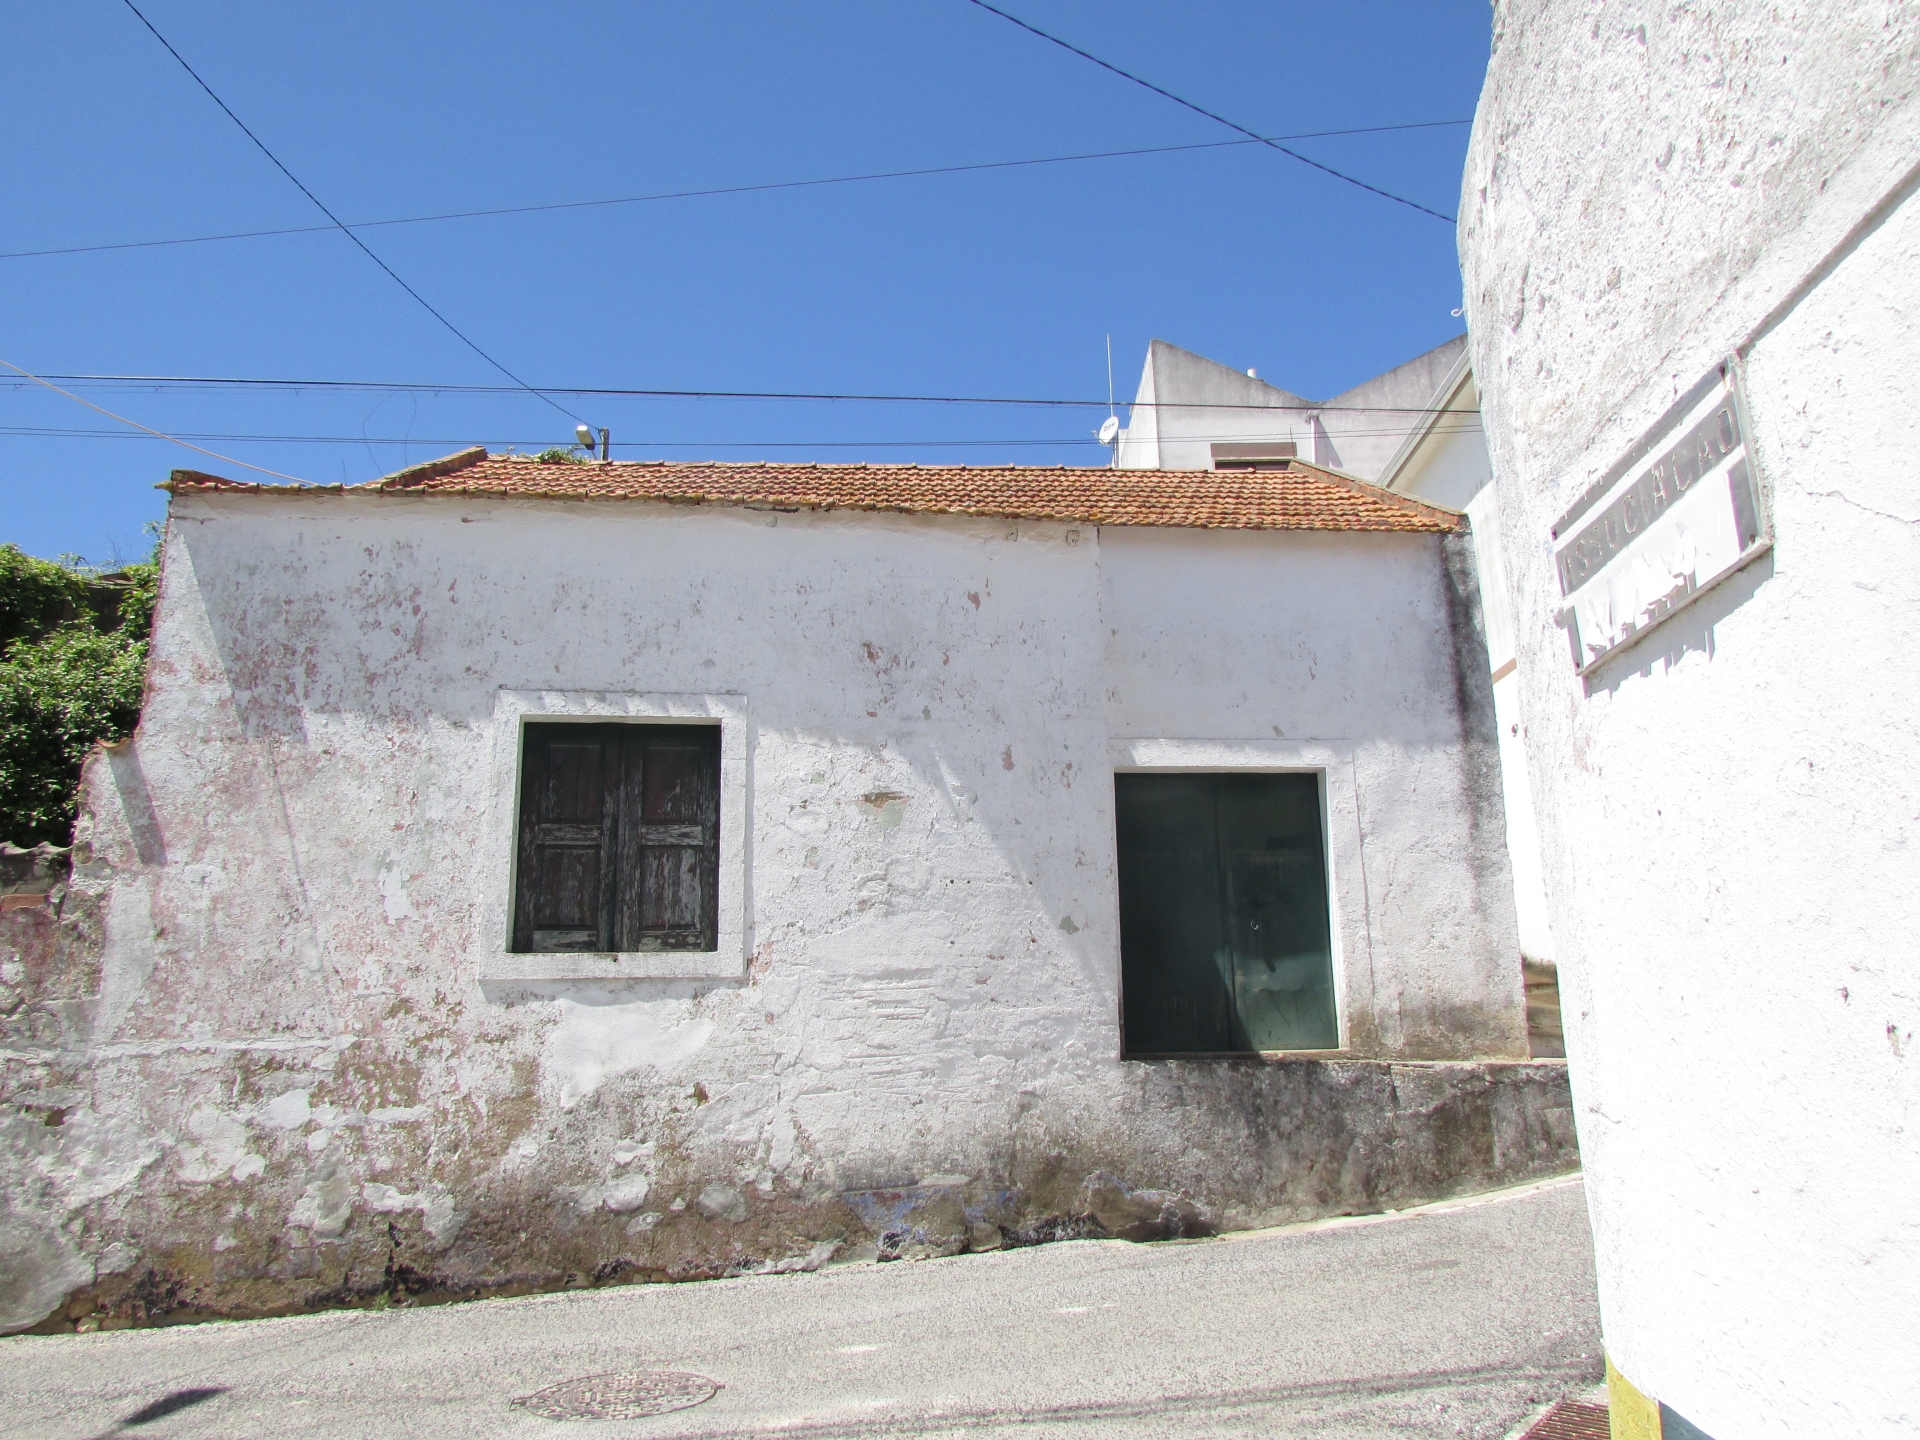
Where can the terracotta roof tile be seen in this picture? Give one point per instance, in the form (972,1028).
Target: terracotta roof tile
(1300,497)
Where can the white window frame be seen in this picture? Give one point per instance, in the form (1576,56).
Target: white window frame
(1348,922)
(512,709)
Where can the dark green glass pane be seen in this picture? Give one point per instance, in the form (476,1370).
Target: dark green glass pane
(1175,969)
(1274,864)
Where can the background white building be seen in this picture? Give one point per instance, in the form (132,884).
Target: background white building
(1187,405)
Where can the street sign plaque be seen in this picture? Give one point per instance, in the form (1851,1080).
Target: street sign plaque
(1674,518)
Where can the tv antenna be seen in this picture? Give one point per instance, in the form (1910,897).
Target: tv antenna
(1110,414)
(1110,427)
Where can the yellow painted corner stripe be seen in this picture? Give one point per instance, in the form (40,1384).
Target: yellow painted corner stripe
(1630,1415)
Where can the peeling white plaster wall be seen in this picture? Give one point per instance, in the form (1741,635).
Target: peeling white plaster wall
(594,1043)
(291,867)
(1728,808)
(930,705)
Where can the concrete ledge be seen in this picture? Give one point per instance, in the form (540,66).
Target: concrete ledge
(601,968)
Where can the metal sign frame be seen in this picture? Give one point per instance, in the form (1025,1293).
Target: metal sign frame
(1673,518)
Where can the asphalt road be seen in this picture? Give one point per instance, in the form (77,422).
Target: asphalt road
(1459,1320)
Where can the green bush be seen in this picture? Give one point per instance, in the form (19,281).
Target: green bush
(36,595)
(73,661)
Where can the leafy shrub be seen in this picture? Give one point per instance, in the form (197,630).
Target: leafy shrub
(73,661)
(36,595)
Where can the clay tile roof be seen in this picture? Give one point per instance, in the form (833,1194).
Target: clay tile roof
(1300,497)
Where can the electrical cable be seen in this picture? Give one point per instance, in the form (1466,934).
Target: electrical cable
(497,445)
(72,433)
(724,190)
(224,459)
(218,382)
(344,230)
(1219,119)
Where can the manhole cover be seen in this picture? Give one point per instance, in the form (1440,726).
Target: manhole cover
(619,1397)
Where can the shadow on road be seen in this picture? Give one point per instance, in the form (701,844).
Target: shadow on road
(166,1405)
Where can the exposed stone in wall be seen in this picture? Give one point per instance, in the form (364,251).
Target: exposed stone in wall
(30,877)
(167,1182)
(182,1179)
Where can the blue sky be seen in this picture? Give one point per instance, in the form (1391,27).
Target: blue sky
(996,283)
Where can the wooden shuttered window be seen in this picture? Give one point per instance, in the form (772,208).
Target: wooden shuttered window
(619,838)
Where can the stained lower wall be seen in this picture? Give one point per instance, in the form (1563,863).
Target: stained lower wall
(185,1179)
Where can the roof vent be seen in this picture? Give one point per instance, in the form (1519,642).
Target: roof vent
(1259,455)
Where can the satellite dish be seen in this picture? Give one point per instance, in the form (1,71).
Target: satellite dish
(1110,430)
(584,434)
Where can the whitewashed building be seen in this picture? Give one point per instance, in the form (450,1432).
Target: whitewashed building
(529,874)
(1692,263)
(1416,429)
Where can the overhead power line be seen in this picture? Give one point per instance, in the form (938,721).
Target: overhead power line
(344,229)
(158,435)
(246,383)
(53,432)
(721,190)
(73,433)
(1211,115)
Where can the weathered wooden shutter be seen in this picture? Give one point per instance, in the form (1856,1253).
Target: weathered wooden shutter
(566,834)
(619,838)
(670,838)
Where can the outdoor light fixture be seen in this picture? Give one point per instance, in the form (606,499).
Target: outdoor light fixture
(584,434)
